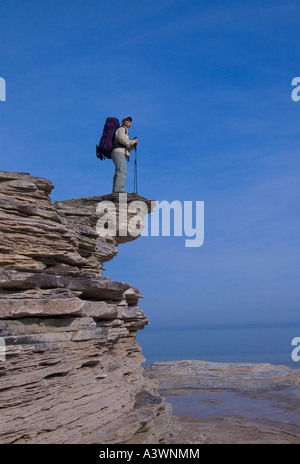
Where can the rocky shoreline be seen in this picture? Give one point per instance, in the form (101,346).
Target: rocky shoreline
(230,403)
(73,367)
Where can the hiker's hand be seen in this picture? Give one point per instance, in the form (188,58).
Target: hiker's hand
(135,140)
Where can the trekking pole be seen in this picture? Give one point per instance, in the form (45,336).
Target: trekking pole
(135,171)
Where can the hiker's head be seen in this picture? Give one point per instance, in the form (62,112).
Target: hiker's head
(127,122)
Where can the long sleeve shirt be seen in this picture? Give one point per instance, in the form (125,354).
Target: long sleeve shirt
(122,141)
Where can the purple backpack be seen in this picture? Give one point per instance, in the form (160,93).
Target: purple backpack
(106,144)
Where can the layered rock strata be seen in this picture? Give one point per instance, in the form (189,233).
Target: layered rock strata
(72,370)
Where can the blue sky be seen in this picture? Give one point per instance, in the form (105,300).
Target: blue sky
(208,85)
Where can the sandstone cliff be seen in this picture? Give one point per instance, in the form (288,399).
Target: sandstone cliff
(73,371)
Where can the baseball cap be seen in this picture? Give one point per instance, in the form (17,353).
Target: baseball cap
(127,117)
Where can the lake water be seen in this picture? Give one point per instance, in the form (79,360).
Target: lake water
(246,345)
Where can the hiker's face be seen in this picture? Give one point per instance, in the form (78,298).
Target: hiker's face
(127,123)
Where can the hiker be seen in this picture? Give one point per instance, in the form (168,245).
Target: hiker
(121,151)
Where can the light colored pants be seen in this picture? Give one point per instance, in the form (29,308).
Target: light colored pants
(119,160)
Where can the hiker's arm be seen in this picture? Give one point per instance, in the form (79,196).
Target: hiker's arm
(124,139)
